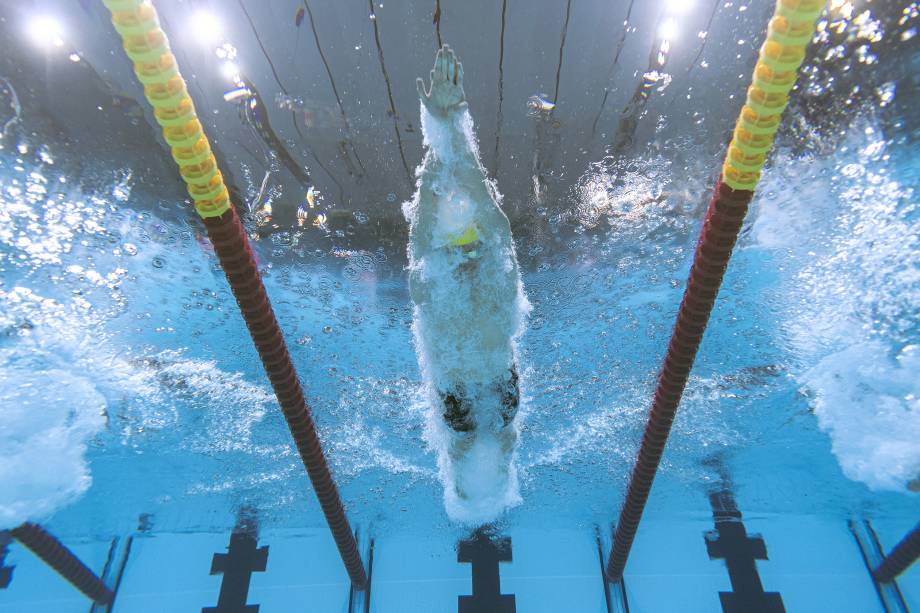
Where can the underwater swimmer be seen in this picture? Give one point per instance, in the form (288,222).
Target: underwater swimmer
(466,287)
(254,113)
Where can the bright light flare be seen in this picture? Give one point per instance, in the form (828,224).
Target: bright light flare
(668,29)
(678,7)
(843,7)
(45,31)
(206,27)
(230,70)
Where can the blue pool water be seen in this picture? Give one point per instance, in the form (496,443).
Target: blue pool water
(134,408)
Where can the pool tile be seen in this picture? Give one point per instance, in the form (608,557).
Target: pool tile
(417,575)
(171,572)
(304,573)
(814,563)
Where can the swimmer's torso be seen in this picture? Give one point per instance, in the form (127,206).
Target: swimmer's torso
(466,298)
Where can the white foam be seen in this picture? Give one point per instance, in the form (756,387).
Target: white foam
(66,379)
(850,285)
(869,403)
(232,404)
(487,477)
(48,417)
(367,448)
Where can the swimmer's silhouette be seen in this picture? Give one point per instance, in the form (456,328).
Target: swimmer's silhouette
(469,302)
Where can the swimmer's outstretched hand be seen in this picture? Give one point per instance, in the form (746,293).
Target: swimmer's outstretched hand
(446,92)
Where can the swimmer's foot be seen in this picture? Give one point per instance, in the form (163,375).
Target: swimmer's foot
(446,92)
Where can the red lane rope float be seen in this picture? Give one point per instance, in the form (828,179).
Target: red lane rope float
(901,557)
(156,68)
(53,553)
(788,34)
(723,222)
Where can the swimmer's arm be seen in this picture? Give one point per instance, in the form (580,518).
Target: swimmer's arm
(451,142)
(490,217)
(456,148)
(421,231)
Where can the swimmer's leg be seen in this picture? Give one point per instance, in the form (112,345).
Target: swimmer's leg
(457,404)
(457,410)
(510,394)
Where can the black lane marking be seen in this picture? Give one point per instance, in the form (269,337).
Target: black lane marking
(616,58)
(386,77)
(268,58)
(484,551)
(616,602)
(335,90)
(104,576)
(501,88)
(730,542)
(565,31)
(868,563)
(243,558)
(436,20)
(119,572)
(6,572)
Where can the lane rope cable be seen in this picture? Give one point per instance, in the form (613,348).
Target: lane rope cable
(788,34)
(156,68)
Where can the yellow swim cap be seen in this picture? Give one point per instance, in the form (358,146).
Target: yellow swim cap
(470,235)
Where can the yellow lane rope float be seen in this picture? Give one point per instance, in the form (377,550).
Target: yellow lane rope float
(156,68)
(788,33)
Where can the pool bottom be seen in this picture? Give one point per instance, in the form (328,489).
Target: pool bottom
(716,561)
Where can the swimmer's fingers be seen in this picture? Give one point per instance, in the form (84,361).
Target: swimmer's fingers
(440,67)
(453,67)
